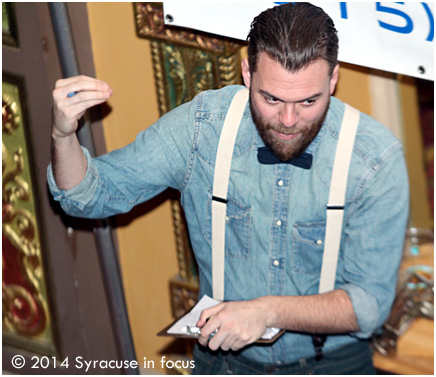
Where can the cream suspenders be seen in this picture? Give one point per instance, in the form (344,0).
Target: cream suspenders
(335,207)
(220,185)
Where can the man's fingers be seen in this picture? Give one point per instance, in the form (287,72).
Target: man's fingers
(85,105)
(219,340)
(206,331)
(208,313)
(203,318)
(85,95)
(69,80)
(81,101)
(72,91)
(209,323)
(226,340)
(80,86)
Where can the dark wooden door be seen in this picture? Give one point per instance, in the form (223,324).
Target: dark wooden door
(54,304)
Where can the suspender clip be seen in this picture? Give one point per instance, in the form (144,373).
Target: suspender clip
(217,199)
(334,207)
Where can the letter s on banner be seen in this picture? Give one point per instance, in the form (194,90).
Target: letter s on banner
(399,29)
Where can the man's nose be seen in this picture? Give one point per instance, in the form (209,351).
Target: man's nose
(288,115)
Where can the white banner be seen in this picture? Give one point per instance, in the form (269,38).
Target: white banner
(395,37)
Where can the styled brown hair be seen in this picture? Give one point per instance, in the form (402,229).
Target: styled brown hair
(294,35)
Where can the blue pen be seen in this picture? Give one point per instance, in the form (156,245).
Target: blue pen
(72,94)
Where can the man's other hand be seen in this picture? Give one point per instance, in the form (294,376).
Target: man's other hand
(239,323)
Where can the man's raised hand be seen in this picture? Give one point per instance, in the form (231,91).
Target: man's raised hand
(72,97)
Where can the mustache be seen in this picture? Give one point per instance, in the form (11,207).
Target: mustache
(283,129)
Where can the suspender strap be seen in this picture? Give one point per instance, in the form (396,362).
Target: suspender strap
(336,203)
(220,186)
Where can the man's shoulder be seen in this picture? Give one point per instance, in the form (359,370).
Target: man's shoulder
(373,138)
(217,101)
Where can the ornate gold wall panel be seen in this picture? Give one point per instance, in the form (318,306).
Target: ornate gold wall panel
(183,72)
(185,63)
(26,320)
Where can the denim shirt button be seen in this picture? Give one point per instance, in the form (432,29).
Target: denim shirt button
(280,183)
(319,242)
(279,223)
(276,263)
(227,219)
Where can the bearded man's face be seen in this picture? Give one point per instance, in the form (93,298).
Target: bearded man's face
(289,108)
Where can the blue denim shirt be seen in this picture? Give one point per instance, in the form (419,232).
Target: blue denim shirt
(265,256)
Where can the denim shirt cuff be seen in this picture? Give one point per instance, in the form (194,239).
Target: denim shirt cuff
(366,309)
(80,195)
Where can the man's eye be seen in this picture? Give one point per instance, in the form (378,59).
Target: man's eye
(271,100)
(309,102)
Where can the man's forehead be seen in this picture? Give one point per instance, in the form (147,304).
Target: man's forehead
(271,78)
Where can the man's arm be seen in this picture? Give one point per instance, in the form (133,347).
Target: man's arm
(243,322)
(328,313)
(67,158)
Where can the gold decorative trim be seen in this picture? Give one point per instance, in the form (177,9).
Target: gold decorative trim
(184,296)
(150,24)
(25,316)
(159,77)
(10,118)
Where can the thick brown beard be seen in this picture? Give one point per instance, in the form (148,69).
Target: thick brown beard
(281,148)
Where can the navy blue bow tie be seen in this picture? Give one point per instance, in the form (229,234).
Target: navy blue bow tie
(264,156)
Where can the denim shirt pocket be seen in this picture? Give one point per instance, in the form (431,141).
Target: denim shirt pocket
(308,247)
(238,228)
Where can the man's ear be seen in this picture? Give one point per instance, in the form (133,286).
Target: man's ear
(246,72)
(334,79)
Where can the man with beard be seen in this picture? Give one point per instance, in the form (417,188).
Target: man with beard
(275,206)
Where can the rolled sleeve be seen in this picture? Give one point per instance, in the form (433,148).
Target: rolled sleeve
(80,195)
(374,242)
(365,308)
